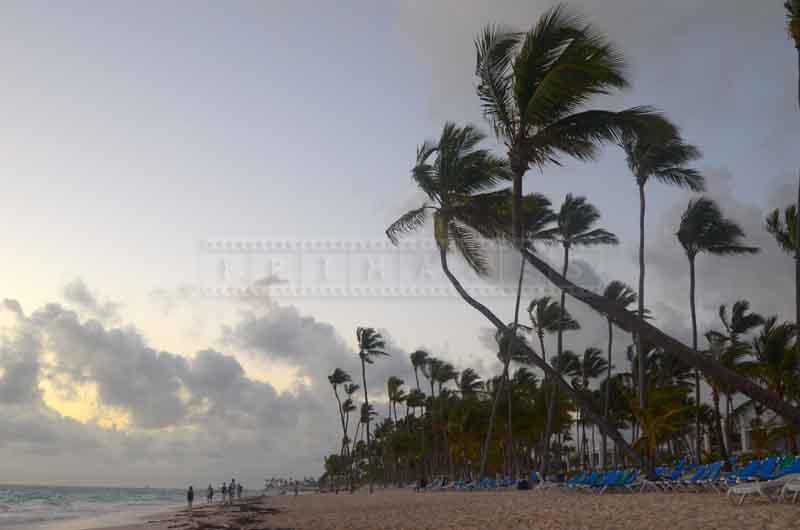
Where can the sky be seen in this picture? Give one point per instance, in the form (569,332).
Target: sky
(156,159)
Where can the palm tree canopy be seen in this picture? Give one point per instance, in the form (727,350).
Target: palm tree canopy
(469,382)
(351,388)
(419,358)
(703,228)
(793,20)
(532,87)
(658,152)
(741,321)
(370,344)
(339,377)
(566,364)
(458,183)
(592,365)
(784,230)
(393,385)
(546,316)
(620,293)
(576,219)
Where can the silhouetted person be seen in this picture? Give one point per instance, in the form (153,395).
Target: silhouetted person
(190,497)
(209,494)
(239,489)
(224,492)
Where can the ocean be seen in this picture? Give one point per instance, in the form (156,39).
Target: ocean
(75,508)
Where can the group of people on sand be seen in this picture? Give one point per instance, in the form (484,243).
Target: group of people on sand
(229,492)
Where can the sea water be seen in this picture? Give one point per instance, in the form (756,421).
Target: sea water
(67,507)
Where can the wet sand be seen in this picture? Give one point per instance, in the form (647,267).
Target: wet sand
(394,509)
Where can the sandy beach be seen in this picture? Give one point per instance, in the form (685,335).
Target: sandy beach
(393,509)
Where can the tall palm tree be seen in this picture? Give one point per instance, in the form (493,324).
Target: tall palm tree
(418,360)
(591,365)
(456,183)
(703,228)
(793,27)
(622,296)
(785,231)
(469,382)
(533,88)
(547,316)
(654,153)
(395,393)
(370,346)
(337,378)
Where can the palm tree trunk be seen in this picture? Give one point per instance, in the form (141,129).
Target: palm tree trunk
(639,349)
(488,440)
(512,465)
(698,441)
(797,251)
(550,396)
(718,424)
(612,432)
(655,336)
(366,403)
(607,397)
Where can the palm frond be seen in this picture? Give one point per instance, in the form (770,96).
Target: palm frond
(495,47)
(467,242)
(410,221)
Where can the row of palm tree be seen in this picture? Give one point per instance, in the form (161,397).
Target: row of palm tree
(534,88)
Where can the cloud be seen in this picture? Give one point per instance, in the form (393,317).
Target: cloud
(77,293)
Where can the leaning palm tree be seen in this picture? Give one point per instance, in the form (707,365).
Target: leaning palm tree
(457,184)
(622,296)
(370,346)
(652,153)
(547,316)
(337,378)
(703,228)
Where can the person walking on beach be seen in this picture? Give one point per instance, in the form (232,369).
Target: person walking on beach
(232,490)
(190,497)
(224,493)
(239,489)
(209,494)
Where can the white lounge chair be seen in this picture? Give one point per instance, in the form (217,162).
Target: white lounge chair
(764,488)
(791,487)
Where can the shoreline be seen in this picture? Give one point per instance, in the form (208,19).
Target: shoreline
(403,509)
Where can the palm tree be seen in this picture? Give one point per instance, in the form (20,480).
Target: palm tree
(703,228)
(418,360)
(591,365)
(337,378)
(370,346)
(733,351)
(469,382)
(548,316)
(621,295)
(785,233)
(793,27)
(395,393)
(662,156)
(456,184)
(533,86)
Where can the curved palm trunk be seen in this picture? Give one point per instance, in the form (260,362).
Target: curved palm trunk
(488,440)
(607,397)
(797,249)
(511,461)
(366,403)
(698,440)
(538,361)
(632,323)
(421,427)
(639,348)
